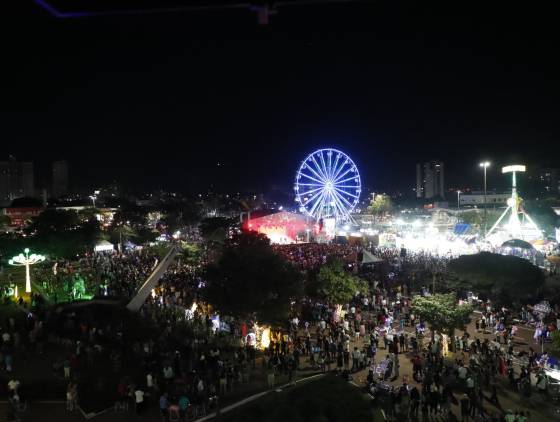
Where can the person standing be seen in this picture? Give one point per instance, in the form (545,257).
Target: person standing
(13,386)
(163,406)
(355,358)
(396,366)
(71,396)
(139,399)
(183,405)
(66,367)
(270,374)
(465,404)
(414,402)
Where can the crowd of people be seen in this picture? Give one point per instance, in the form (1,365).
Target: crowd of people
(189,364)
(310,256)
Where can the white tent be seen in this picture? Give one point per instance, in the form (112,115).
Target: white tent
(104,246)
(370,258)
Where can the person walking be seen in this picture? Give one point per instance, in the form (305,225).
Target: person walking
(465,404)
(71,396)
(66,367)
(163,406)
(414,402)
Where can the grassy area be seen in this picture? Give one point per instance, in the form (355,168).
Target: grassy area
(329,399)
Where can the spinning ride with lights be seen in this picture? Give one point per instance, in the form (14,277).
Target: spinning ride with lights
(327,185)
(519,225)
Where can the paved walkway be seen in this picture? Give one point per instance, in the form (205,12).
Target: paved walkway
(541,409)
(55,411)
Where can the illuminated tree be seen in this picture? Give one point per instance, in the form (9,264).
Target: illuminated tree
(380,205)
(442,312)
(336,286)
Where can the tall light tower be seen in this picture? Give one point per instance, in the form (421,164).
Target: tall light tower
(26,260)
(515,227)
(513,202)
(485,165)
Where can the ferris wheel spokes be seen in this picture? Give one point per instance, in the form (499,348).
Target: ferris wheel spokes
(317,203)
(312,178)
(310,191)
(321,178)
(325,170)
(346,193)
(338,170)
(346,180)
(334,168)
(322,173)
(327,190)
(337,179)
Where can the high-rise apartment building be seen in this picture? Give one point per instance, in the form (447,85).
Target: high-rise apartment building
(59,178)
(430,180)
(16,180)
(549,180)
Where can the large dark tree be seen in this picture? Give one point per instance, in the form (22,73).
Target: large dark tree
(59,233)
(52,220)
(179,215)
(503,279)
(215,228)
(249,281)
(4,222)
(131,216)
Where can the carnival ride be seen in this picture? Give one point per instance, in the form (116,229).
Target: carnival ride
(327,185)
(519,225)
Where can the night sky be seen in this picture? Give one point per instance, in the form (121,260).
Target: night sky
(158,100)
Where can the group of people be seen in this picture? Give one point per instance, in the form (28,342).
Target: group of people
(310,256)
(187,371)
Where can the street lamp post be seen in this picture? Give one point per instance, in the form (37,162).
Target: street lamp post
(458,199)
(26,260)
(485,165)
(94,197)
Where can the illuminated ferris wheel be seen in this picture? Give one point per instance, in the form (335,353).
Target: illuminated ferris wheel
(327,185)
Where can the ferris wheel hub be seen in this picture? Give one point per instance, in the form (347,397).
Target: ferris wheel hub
(327,185)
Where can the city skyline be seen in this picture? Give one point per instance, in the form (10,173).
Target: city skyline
(189,101)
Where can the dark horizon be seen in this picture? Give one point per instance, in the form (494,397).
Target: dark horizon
(159,100)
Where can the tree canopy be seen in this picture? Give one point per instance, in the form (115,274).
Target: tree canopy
(476,217)
(380,205)
(52,220)
(336,286)
(442,312)
(249,280)
(503,279)
(4,222)
(57,233)
(215,228)
(556,343)
(179,215)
